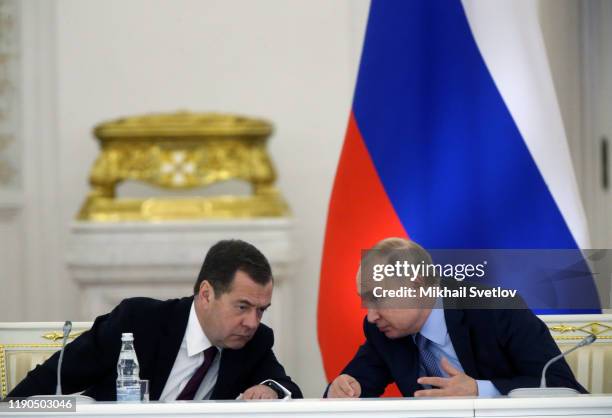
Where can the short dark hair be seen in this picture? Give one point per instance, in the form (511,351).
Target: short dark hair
(227,257)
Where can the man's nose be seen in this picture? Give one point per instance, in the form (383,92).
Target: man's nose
(251,320)
(373,316)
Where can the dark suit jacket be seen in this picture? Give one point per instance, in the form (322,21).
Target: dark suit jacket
(507,347)
(90,361)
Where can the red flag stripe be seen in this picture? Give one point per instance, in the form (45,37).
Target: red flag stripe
(360,214)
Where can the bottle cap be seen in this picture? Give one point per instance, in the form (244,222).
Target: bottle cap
(127,336)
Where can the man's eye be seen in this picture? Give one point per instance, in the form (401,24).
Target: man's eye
(242,307)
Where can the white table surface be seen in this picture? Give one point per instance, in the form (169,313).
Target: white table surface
(578,406)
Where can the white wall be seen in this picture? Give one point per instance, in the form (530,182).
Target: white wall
(292,62)
(596,52)
(578,37)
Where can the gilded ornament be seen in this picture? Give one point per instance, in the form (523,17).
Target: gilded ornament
(56,336)
(3,360)
(182,151)
(601,330)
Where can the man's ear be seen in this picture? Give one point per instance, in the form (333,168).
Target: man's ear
(418,280)
(422,281)
(206,293)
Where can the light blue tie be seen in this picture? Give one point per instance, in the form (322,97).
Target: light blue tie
(427,358)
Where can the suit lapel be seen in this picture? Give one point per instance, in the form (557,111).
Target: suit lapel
(405,365)
(460,337)
(229,372)
(172,333)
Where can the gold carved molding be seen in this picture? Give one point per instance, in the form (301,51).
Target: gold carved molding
(181,151)
(3,369)
(600,330)
(3,376)
(56,335)
(53,336)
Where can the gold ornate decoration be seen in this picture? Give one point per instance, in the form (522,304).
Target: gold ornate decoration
(596,328)
(3,377)
(182,151)
(3,347)
(56,336)
(53,336)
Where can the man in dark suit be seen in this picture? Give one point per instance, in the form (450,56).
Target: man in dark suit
(207,346)
(429,351)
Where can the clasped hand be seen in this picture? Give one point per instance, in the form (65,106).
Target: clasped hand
(457,384)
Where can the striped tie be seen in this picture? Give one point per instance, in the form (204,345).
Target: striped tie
(429,362)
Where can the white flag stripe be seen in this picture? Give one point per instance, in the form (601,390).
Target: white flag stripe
(509,37)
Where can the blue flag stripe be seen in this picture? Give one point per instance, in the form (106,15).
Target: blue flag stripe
(443,142)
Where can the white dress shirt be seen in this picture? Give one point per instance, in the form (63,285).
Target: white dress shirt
(189,357)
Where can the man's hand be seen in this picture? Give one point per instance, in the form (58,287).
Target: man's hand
(259,392)
(344,386)
(457,384)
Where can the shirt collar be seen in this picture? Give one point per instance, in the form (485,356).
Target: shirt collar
(434,328)
(194,335)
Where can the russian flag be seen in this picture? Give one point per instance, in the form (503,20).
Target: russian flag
(455,139)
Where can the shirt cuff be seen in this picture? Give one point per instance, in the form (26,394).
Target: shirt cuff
(487,389)
(284,389)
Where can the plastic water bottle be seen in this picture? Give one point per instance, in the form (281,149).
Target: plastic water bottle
(128,371)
